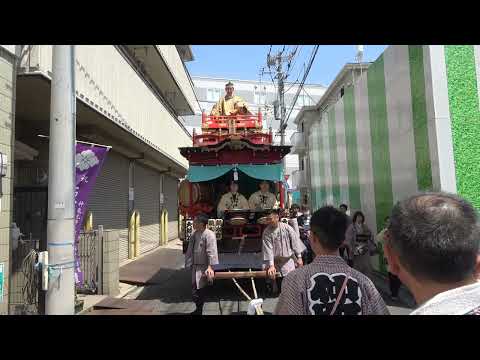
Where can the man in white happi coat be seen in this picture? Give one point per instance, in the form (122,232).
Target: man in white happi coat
(281,248)
(232,200)
(201,256)
(263,199)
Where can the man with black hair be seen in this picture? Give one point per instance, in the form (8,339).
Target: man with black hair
(328,286)
(201,255)
(281,247)
(263,199)
(304,228)
(344,250)
(432,245)
(393,280)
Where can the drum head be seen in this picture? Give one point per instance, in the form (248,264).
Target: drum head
(238,221)
(263,220)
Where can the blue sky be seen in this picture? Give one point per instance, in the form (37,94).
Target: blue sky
(245,61)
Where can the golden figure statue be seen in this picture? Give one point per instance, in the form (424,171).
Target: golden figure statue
(230,104)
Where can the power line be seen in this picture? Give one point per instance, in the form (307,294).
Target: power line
(310,96)
(309,66)
(290,58)
(298,77)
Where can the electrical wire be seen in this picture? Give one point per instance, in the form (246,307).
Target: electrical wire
(29,270)
(310,96)
(292,57)
(298,77)
(309,66)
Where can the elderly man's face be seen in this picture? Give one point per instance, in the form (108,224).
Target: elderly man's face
(273,219)
(229,90)
(198,225)
(264,187)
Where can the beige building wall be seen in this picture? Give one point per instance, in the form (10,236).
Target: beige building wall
(7,101)
(108,83)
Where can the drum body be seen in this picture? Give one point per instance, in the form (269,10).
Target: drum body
(190,194)
(237,217)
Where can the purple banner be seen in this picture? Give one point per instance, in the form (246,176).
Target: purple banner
(88,162)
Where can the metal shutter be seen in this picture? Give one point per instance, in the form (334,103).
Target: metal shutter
(171,202)
(147,202)
(109,199)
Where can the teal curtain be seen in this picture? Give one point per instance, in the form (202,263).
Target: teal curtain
(271,172)
(206,173)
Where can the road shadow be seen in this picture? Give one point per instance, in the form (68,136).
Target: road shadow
(146,271)
(175,287)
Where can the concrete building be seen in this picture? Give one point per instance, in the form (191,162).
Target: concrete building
(304,143)
(130,97)
(259,96)
(408,123)
(8,60)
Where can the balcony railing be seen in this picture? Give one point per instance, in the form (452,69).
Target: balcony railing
(299,179)
(298,143)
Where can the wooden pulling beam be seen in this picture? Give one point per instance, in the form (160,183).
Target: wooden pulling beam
(258,308)
(253,286)
(241,274)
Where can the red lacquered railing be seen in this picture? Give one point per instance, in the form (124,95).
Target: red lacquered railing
(250,121)
(256,138)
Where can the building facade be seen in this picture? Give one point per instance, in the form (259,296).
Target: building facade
(260,97)
(8,60)
(131,98)
(304,142)
(408,123)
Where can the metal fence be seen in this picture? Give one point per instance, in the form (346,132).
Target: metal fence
(91,260)
(24,282)
(23,294)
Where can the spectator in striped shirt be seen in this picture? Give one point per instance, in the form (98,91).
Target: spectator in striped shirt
(328,286)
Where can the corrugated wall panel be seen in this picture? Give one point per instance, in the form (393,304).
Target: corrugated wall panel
(147,202)
(109,199)
(171,202)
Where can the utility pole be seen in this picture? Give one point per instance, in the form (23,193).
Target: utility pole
(277,61)
(281,97)
(60,296)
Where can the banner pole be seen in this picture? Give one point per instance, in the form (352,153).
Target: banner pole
(81,142)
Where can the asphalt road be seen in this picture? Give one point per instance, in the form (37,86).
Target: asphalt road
(173,293)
